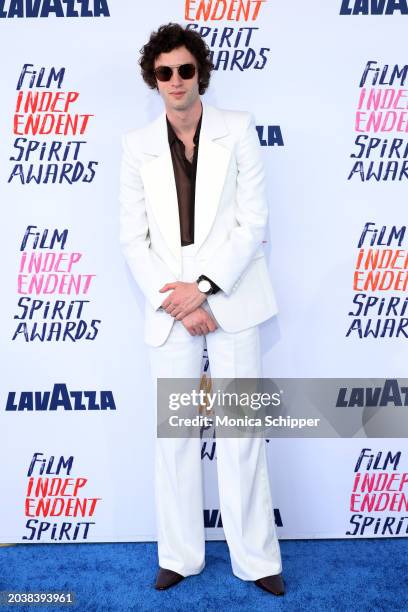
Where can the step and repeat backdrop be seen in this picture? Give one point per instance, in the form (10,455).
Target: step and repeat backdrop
(327,83)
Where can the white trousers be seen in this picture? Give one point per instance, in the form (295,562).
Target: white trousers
(243,482)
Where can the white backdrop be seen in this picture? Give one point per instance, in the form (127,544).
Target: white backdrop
(308,89)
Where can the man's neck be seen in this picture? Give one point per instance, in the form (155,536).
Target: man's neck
(185,122)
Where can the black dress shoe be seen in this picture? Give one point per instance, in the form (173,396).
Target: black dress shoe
(167,578)
(272,584)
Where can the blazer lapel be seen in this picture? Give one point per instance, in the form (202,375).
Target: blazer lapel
(212,164)
(159,182)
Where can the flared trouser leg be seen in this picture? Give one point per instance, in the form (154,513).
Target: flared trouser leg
(178,469)
(243,480)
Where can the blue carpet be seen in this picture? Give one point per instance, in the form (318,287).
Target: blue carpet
(329,575)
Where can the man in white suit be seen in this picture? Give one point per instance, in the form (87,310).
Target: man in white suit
(192,221)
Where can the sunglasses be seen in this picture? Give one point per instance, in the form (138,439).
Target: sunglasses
(164,73)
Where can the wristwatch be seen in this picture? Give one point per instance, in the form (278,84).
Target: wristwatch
(205,285)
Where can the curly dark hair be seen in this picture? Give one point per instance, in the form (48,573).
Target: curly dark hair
(167,38)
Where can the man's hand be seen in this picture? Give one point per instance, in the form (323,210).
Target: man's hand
(199,322)
(184,299)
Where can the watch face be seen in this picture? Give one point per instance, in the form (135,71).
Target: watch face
(204,286)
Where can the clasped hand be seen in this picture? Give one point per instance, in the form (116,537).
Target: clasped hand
(184,298)
(184,303)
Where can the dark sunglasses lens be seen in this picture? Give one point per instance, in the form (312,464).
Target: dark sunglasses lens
(187,71)
(163,73)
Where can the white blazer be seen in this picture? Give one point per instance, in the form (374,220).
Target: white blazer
(230,218)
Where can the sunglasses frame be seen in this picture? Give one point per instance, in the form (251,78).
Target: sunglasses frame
(172,68)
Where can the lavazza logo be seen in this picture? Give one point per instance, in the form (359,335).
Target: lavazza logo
(391,393)
(59,398)
(374,7)
(53,8)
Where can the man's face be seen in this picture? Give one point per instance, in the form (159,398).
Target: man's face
(178,94)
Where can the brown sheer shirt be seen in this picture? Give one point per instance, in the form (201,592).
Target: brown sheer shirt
(185,177)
